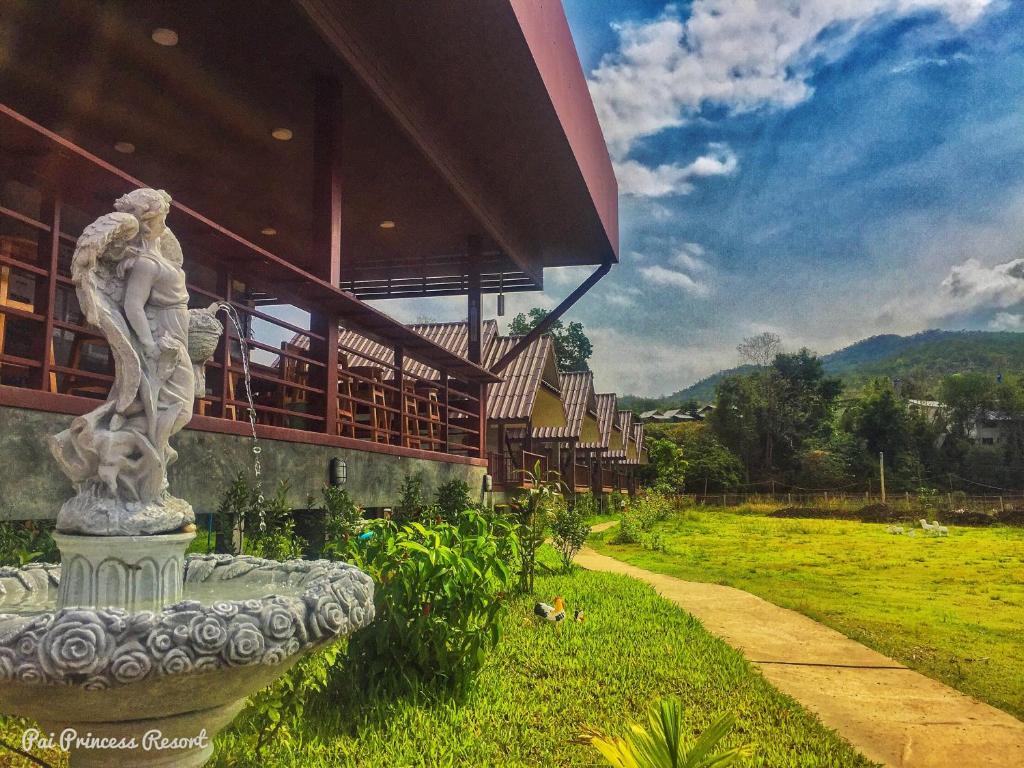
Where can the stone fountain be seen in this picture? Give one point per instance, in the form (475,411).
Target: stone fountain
(130,653)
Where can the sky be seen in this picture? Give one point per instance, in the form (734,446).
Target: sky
(826,170)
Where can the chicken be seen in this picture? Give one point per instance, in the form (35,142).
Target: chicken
(579,616)
(554,613)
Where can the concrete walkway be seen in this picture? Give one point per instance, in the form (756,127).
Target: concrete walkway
(892,714)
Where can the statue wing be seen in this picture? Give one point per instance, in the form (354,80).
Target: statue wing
(99,286)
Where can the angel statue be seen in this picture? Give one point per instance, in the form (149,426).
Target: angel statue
(127,271)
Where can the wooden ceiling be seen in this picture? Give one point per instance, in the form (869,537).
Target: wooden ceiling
(200,115)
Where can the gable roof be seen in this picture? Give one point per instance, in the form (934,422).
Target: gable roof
(513,398)
(578,399)
(606,402)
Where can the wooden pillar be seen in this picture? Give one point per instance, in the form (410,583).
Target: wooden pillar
(482,421)
(325,324)
(445,390)
(45,299)
(400,386)
(327,147)
(474,314)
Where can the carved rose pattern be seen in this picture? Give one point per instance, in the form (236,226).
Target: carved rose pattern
(98,649)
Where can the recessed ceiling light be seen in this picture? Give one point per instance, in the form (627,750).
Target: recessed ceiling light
(282,134)
(268,231)
(124,147)
(387,224)
(163,36)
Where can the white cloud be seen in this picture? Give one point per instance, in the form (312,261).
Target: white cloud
(671,178)
(659,275)
(655,368)
(972,285)
(689,257)
(1007,321)
(741,54)
(929,61)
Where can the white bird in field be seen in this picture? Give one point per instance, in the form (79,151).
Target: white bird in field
(941,530)
(926,526)
(895,530)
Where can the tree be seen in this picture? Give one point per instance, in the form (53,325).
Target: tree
(666,467)
(760,350)
(572,347)
(709,464)
(966,395)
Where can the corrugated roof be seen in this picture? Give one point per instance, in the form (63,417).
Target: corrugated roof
(512,399)
(577,398)
(360,350)
(638,440)
(606,403)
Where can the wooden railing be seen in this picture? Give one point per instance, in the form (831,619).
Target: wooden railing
(514,470)
(298,381)
(581,477)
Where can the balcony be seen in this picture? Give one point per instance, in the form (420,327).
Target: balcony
(306,385)
(515,470)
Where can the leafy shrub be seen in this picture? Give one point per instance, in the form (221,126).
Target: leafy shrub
(569,530)
(533,509)
(27,541)
(343,523)
(275,713)
(639,517)
(587,504)
(412,504)
(267,527)
(663,744)
(452,499)
(439,590)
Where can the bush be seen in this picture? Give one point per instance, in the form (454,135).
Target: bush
(439,590)
(412,504)
(639,517)
(452,499)
(343,522)
(533,509)
(27,541)
(268,528)
(569,530)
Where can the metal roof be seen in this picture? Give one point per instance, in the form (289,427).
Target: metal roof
(578,399)
(606,403)
(513,398)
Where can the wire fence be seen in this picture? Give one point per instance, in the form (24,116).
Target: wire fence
(949,502)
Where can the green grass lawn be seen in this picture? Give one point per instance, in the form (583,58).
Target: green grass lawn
(952,608)
(539,688)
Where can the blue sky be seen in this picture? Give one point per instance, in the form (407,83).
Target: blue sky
(824,169)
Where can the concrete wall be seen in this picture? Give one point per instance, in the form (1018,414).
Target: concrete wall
(33,487)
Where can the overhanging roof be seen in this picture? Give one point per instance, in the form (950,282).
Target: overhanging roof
(494,95)
(457,120)
(578,398)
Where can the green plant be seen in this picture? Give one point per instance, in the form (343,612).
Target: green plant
(439,590)
(412,504)
(276,711)
(27,541)
(533,508)
(569,529)
(452,499)
(343,522)
(266,525)
(639,516)
(663,744)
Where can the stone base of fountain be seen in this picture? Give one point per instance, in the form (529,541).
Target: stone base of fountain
(182,741)
(130,572)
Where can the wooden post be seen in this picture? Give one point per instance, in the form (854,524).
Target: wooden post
(482,421)
(881,474)
(1001,508)
(400,386)
(474,314)
(447,413)
(325,351)
(327,145)
(46,291)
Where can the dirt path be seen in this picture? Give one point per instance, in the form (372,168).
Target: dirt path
(890,713)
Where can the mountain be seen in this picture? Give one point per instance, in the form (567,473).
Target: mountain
(920,361)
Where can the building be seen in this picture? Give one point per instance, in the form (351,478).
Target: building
(319,155)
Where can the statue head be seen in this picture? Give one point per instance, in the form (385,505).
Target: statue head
(149,206)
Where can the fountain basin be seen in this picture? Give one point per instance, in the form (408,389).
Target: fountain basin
(181,670)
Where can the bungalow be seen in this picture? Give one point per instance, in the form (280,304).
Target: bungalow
(313,166)
(581,426)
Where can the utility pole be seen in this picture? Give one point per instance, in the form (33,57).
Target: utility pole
(881,473)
